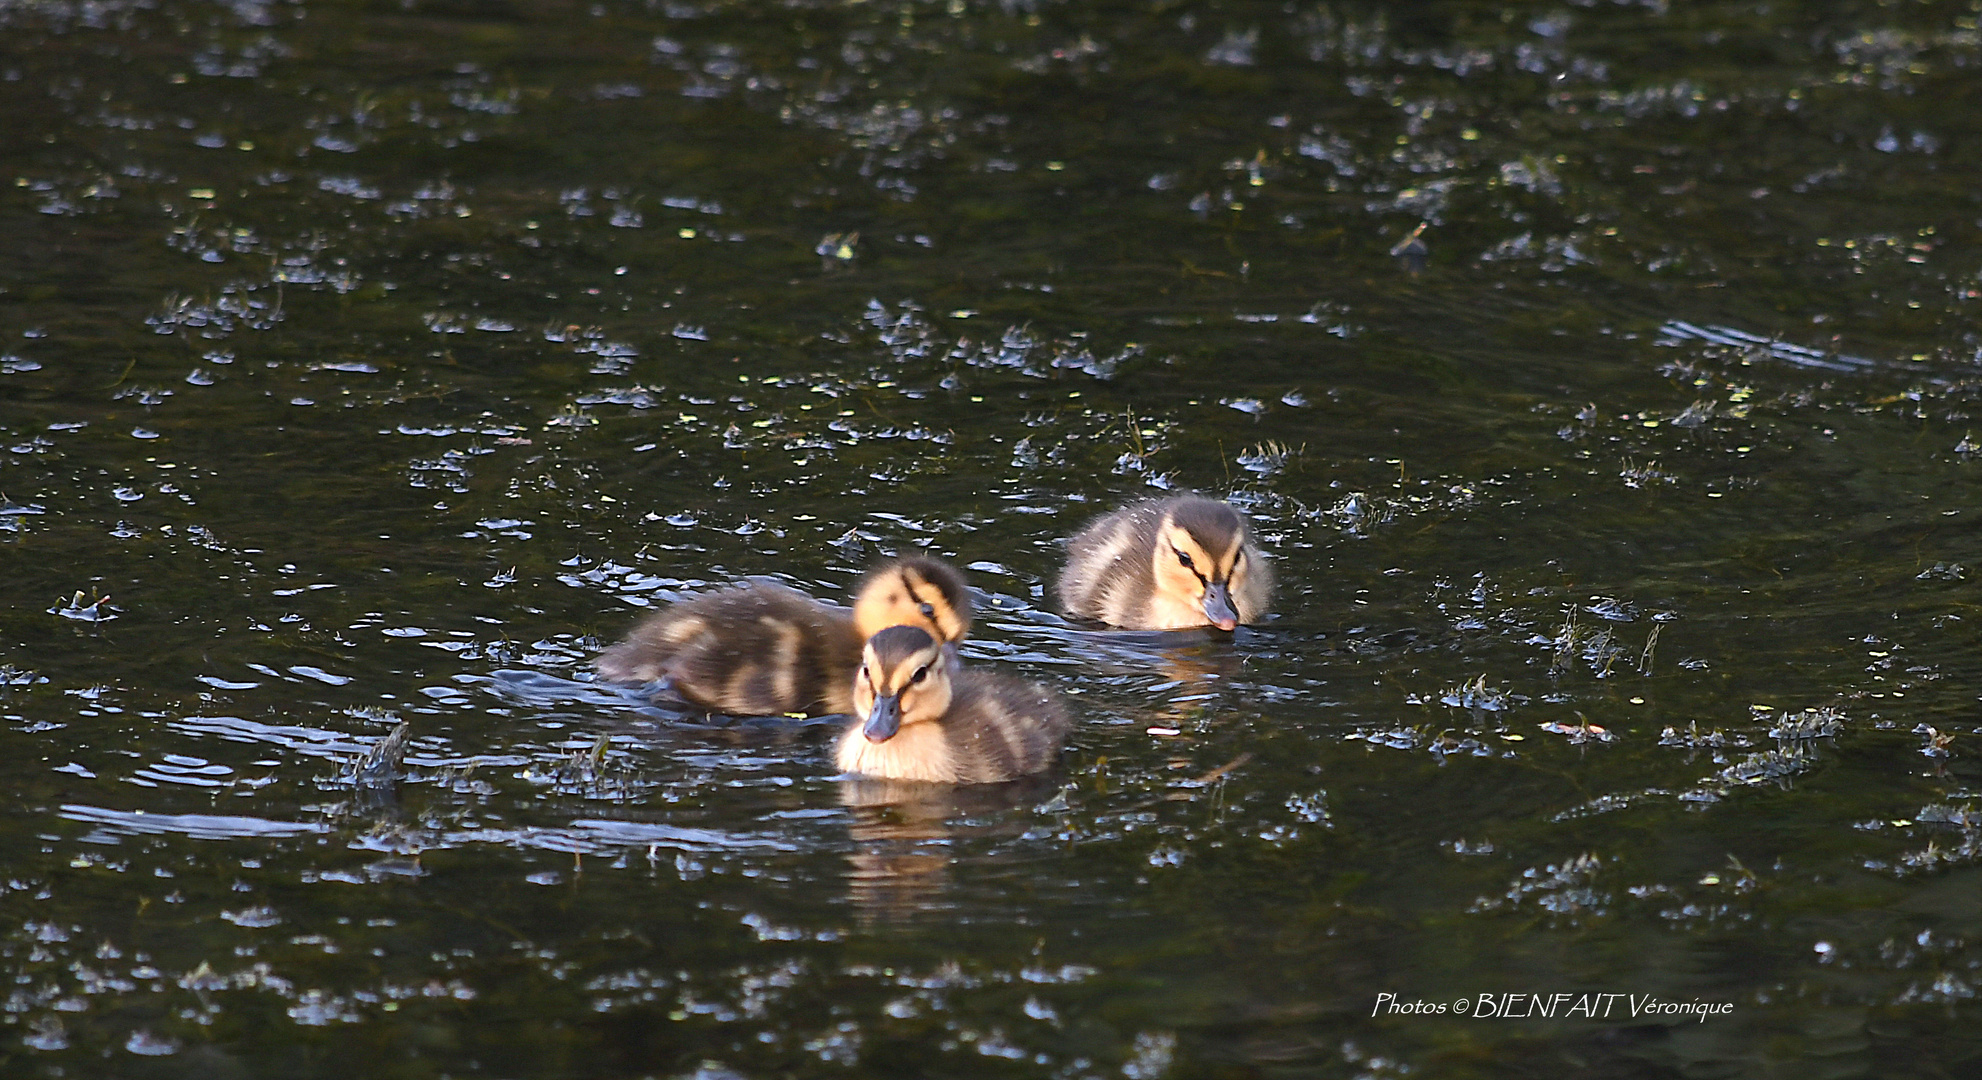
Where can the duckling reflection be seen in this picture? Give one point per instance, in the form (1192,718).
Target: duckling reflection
(901,858)
(904,839)
(766,649)
(1167,564)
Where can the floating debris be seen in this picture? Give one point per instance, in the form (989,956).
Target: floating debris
(46,1033)
(1312,808)
(1939,814)
(837,251)
(145,1043)
(1692,739)
(253,918)
(1447,744)
(587,770)
(1755,347)
(1612,609)
(1651,647)
(1738,878)
(1580,732)
(1412,252)
(1933,858)
(1477,695)
(1638,476)
(1608,804)
(383,763)
(1809,724)
(1767,766)
(1401,738)
(1603,652)
(82,609)
(1565,889)
(1565,645)
(1947,988)
(1695,415)
(1268,457)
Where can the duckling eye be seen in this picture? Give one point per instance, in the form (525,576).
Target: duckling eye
(929,611)
(1183,558)
(921,673)
(864,674)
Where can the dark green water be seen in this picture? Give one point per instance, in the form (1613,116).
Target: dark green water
(379,361)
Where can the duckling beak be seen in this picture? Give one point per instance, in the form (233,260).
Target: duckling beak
(884,720)
(1218,606)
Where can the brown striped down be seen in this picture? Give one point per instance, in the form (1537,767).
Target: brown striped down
(1003,727)
(756,649)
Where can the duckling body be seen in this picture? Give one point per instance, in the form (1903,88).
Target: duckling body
(918,719)
(762,649)
(1167,564)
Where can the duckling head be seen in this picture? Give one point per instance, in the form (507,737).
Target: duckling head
(903,680)
(1201,557)
(915,591)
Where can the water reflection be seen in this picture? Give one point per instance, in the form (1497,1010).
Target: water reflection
(899,866)
(905,835)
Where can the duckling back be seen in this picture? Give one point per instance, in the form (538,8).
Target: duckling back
(759,649)
(1166,564)
(1002,728)
(764,649)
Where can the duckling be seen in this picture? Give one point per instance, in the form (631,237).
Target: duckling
(764,649)
(917,719)
(1167,564)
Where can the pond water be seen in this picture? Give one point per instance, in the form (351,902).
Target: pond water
(366,364)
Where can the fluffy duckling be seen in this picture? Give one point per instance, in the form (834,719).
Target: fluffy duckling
(763,649)
(1167,564)
(918,719)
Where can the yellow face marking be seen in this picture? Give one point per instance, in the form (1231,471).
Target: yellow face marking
(1182,565)
(1236,576)
(1186,572)
(918,679)
(936,614)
